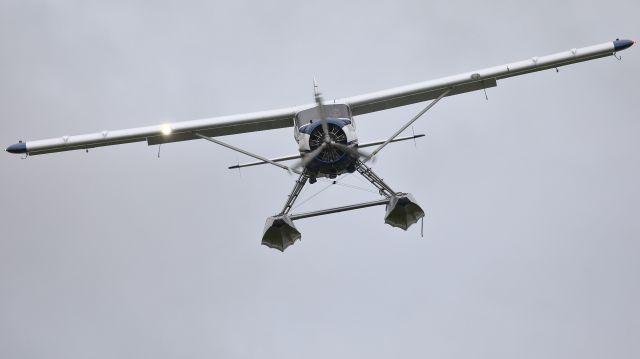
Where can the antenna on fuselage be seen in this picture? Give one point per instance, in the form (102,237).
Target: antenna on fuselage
(316,93)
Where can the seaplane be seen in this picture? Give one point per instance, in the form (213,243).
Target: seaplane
(325,133)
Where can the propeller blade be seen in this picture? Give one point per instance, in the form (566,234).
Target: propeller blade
(306,159)
(354,152)
(323,117)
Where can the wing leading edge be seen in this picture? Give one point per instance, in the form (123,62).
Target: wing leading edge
(362,104)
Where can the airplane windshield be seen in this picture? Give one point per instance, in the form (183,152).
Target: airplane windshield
(331,111)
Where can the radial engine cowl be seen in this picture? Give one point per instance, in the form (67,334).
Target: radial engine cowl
(336,134)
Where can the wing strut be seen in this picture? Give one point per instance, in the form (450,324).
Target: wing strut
(245,152)
(295,192)
(431,104)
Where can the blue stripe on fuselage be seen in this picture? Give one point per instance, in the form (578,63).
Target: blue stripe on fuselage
(308,128)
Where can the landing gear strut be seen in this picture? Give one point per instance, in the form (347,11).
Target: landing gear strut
(401,210)
(279,231)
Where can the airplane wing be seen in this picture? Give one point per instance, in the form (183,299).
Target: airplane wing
(362,104)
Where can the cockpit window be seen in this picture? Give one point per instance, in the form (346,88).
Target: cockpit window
(336,111)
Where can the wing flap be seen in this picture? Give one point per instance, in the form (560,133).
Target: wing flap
(471,81)
(386,102)
(179,131)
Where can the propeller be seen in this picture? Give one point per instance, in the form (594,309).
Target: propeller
(323,114)
(328,142)
(354,152)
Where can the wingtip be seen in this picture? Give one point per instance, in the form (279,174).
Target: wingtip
(620,45)
(17,148)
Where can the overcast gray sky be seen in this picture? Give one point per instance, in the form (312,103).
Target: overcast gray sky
(531,244)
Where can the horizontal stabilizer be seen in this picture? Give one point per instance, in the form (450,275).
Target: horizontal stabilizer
(295,157)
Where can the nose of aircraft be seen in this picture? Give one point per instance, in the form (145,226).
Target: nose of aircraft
(17,148)
(619,45)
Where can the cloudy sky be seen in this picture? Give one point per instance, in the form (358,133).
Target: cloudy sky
(531,244)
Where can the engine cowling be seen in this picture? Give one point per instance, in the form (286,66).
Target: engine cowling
(331,161)
(329,154)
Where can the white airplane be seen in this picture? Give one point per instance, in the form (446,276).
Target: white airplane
(326,135)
